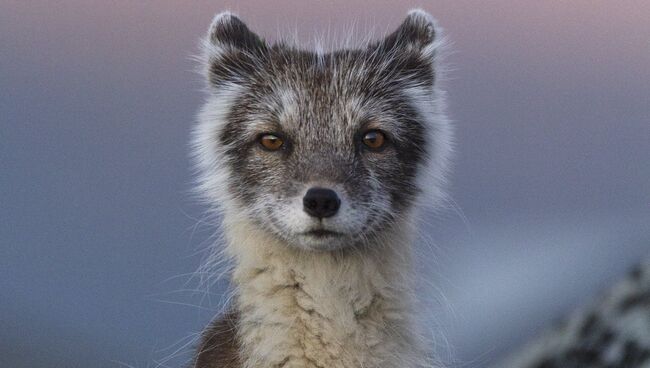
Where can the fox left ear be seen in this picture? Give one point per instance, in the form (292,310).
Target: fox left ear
(231,50)
(413,46)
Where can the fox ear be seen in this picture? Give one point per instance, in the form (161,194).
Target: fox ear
(231,51)
(417,31)
(412,47)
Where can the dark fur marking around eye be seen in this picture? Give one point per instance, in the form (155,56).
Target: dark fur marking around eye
(410,153)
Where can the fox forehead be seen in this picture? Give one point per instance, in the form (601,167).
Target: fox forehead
(296,109)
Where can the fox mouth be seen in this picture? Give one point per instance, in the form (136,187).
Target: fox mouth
(321,233)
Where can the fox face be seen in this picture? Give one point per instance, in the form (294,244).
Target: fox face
(323,150)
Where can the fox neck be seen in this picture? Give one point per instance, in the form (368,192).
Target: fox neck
(341,309)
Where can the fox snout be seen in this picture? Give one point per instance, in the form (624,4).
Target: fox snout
(321,202)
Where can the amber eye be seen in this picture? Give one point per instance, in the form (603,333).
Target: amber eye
(271,142)
(374,139)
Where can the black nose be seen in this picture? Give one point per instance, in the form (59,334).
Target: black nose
(321,202)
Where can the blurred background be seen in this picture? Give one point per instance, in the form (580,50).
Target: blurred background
(99,238)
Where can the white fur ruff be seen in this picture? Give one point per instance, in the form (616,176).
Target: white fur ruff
(324,309)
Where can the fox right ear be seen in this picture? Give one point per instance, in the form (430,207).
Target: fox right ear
(231,50)
(412,48)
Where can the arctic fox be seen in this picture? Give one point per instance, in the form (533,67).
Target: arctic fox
(318,164)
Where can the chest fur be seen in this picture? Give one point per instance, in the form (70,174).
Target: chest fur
(322,311)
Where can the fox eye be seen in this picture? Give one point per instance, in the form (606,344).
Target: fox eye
(271,142)
(374,139)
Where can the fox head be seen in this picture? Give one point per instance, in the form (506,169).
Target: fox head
(322,150)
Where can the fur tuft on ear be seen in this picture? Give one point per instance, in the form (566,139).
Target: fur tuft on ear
(228,31)
(410,52)
(422,25)
(231,50)
(417,31)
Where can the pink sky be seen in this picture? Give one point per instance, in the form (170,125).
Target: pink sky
(581,38)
